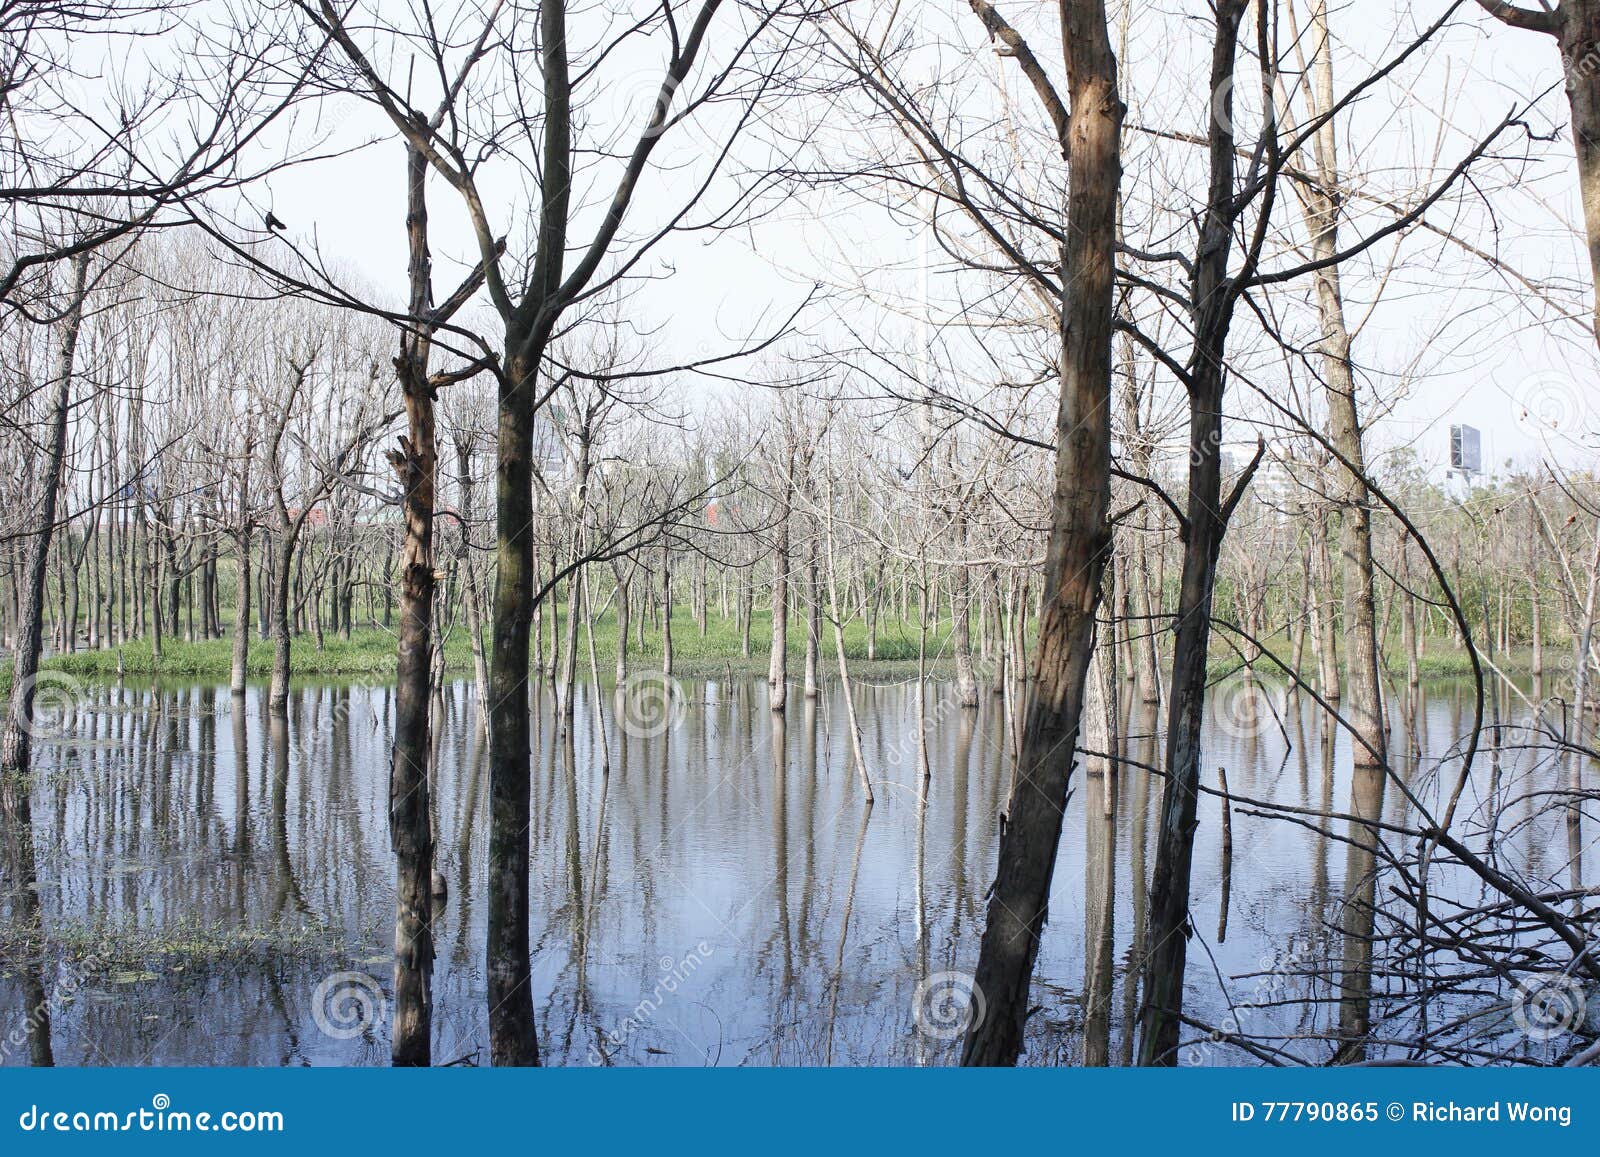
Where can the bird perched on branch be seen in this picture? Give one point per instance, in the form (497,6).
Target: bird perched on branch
(272,222)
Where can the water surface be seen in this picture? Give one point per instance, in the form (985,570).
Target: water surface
(720,897)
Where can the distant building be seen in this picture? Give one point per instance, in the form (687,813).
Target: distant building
(1466,451)
(316,520)
(1272,485)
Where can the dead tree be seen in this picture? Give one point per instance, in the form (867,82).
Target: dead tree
(1090,134)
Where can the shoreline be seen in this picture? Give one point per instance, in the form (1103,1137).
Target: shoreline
(370,652)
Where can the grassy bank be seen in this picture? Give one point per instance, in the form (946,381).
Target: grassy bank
(370,652)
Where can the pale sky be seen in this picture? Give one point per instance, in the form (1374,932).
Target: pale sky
(1450,340)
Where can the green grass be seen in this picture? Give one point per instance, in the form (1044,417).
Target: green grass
(370,651)
(123,953)
(365,652)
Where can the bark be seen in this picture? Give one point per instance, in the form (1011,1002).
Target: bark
(410,829)
(1206,520)
(623,596)
(778,662)
(241,614)
(16,739)
(512,1038)
(469,576)
(1363,703)
(1078,544)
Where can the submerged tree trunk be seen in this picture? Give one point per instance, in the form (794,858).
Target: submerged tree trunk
(1079,542)
(512,1039)
(410,827)
(778,662)
(623,596)
(1363,703)
(240,665)
(1206,520)
(16,740)
(480,664)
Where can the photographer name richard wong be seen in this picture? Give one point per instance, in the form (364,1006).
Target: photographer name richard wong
(1493,1113)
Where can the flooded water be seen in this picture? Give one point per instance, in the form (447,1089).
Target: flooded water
(209,880)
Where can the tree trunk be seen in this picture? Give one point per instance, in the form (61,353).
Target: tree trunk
(1323,607)
(1363,702)
(1206,519)
(666,611)
(16,740)
(622,628)
(410,826)
(813,609)
(480,665)
(1079,541)
(512,1038)
(778,662)
(282,574)
(961,619)
(241,614)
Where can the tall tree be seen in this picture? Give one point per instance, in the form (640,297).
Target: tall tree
(1090,135)
(416,463)
(16,738)
(530,308)
(1575,27)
